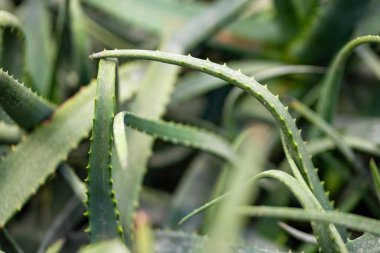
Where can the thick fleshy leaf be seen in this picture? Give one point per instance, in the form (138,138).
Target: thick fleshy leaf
(102,212)
(21,172)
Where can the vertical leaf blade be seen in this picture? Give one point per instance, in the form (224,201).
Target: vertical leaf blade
(103,222)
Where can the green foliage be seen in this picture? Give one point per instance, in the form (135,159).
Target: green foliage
(26,108)
(320,31)
(170,141)
(250,86)
(102,211)
(11,59)
(331,82)
(177,133)
(35,18)
(376,177)
(21,171)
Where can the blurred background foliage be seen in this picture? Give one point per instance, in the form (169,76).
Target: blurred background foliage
(287,44)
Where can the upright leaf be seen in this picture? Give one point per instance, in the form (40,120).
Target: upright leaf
(162,78)
(331,83)
(102,214)
(37,25)
(252,87)
(376,177)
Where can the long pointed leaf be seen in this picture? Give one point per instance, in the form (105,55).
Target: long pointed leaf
(253,88)
(162,78)
(102,214)
(331,83)
(24,169)
(353,221)
(177,133)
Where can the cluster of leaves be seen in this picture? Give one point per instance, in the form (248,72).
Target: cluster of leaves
(153,184)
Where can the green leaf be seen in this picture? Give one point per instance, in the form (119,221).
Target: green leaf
(24,169)
(26,108)
(252,87)
(298,176)
(78,187)
(318,146)
(37,25)
(322,125)
(195,84)
(332,81)
(11,240)
(298,234)
(366,243)
(318,40)
(251,147)
(80,42)
(303,195)
(370,59)
(194,188)
(352,221)
(288,19)
(211,20)
(262,75)
(12,48)
(69,215)
(128,182)
(151,15)
(177,134)
(102,212)
(305,8)
(376,177)
(162,78)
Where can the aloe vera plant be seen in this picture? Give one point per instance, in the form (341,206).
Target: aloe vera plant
(185,143)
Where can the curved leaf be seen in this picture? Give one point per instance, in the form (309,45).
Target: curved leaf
(252,150)
(262,75)
(325,32)
(304,196)
(249,85)
(195,84)
(331,83)
(322,125)
(162,78)
(318,146)
(370,59)
(376,177)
